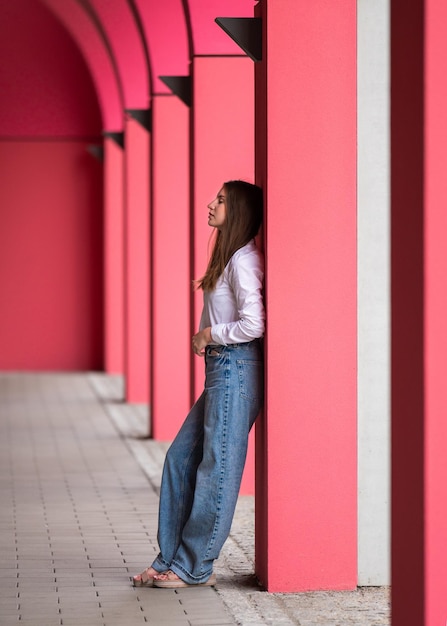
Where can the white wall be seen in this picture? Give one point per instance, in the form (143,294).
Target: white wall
(373,292)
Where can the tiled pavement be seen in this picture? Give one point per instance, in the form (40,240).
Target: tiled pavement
(78,508)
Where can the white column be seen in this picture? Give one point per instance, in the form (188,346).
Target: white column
(373,293)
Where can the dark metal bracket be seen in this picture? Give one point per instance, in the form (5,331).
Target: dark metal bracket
(142,116)
(117,137)
(96,151)
(246,32)
(180,86)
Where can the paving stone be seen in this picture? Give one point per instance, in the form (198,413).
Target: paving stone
(8,593)
(211,621)
(97,620)
(107,564)
(38,621)
(9,585)
(124,618)
(8,572)
(80,518)
(8,611)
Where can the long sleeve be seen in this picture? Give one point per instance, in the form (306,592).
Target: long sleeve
(235,309)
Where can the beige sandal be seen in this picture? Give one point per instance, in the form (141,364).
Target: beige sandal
(143,579)
(172,581)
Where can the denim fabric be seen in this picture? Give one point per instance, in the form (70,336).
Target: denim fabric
(203,467)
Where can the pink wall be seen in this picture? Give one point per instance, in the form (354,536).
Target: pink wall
(419,306)
(307,533)
(435,278)
(166,35)
(50,256)
(171,284)
(28,107)
(96,54)
(407,349)
(137,235)
(127,45)
(113,257)
(50,197)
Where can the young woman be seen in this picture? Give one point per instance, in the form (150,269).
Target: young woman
(203,467)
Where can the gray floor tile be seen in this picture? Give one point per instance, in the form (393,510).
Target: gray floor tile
(80,517)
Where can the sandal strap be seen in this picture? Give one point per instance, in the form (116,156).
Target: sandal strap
(144,575)
(168,575)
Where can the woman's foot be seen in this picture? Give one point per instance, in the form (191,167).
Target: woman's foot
(146,578)
(170,580)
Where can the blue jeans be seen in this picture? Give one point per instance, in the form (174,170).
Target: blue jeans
(203,466)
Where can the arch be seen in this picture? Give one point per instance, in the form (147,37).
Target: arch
(165,28)
(120,28)
(97,57)
(43,77)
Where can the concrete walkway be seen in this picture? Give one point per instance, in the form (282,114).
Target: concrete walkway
(78,514)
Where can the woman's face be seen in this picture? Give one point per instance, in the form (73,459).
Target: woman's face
(217,210)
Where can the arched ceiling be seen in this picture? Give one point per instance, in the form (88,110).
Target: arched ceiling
(46,86)
(128,44)
(98,59)
(166,32)
(119,26)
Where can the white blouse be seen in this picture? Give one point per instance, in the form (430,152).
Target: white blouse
(235,308)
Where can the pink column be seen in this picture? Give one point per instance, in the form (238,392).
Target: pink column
(137,261)
(113,258)
(171,284)
(419,309)
(306,122)
(223,149)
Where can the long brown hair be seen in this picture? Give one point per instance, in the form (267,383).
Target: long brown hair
(243,218)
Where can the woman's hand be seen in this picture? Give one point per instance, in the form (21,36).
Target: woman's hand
(201,340)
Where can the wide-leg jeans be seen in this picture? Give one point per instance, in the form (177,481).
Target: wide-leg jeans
(203,466)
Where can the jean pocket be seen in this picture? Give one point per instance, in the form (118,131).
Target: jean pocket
(251,380)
